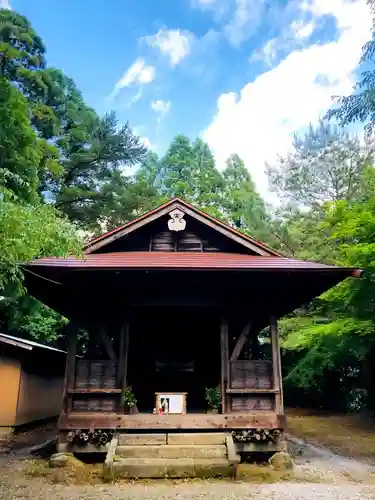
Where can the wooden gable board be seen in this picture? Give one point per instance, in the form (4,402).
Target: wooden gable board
(222,228)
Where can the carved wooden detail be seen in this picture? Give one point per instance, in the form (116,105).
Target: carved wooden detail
(176,221)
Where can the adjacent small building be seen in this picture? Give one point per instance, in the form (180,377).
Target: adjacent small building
(31,382)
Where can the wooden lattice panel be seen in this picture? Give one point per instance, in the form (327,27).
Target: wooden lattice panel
(248,374)
(94,403)
(95,374)
(248,403)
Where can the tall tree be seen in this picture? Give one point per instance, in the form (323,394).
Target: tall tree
(177,167)
(24,158)
(326,164)
(243,205)
(22,50)
(94,156)
(360,106)
(22,62)
(19,150)
(207,180)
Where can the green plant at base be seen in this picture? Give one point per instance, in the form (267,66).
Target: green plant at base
(129,398)
(213,397)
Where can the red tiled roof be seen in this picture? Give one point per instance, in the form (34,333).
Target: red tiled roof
(184,260)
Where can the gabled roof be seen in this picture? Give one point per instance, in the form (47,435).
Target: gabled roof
(178,203)
(187,260)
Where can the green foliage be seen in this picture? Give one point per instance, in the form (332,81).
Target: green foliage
(19,146)
(21,49)
(29,318)
(177,169)
(326,164)
(213,398)
(129,398)
(92,183)
(331,347)
(359,106)
(242,204)
(31,231)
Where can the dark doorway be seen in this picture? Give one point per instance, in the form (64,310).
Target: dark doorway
(174,350)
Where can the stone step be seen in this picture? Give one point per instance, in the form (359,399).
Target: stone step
(171,467)
(142,439)
(172,451)
(201,438)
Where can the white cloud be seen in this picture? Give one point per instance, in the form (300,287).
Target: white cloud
(161,107)
(245,20)
(292,37)
(137,73)
(302,29)
(259,123)
(173,43)
(268,52)
(5,4)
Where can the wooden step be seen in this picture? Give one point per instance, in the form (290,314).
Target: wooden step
(171,467)
(172,451)
(142,439)
(198,438)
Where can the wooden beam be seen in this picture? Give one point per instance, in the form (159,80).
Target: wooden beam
(94,391)
(70,367)
(252,391)
(276,365)
(240,342)
(108,345)
(224,348)
(249,420)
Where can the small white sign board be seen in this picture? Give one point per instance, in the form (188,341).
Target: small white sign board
(171,402)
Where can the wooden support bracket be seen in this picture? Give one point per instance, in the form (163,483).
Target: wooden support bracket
(108,345)
(240,342)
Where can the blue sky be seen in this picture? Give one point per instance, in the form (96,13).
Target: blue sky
(244,74)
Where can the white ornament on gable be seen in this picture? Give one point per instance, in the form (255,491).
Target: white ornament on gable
(176,221)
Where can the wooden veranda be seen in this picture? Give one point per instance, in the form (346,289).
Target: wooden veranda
(176,301)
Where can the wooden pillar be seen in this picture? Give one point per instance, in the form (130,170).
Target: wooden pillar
(70,369)
(122,367)
(276,365)
(224,348)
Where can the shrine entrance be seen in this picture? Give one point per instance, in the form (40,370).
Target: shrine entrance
(174,350)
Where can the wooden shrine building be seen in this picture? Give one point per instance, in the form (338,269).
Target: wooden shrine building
(175,302)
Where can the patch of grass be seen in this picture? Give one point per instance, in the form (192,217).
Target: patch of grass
(82,474)
(255,473)
(348,435)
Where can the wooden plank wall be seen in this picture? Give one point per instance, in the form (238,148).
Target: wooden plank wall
(255,385)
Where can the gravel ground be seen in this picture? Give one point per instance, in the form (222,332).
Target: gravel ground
(321,475)
(27,490)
